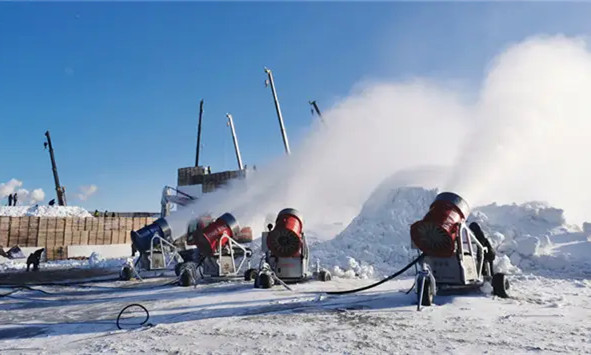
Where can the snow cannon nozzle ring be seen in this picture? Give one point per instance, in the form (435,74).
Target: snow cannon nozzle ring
(437,232)
(285,239)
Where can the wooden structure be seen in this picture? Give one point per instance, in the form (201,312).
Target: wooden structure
(56,233)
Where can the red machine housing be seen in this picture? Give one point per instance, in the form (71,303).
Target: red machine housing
(437,232)
(285,240)
(209,238)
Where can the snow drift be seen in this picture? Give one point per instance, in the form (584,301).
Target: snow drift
(531,236)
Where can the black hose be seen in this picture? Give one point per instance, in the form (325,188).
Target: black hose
(398,273)
(18,288)
(134,305)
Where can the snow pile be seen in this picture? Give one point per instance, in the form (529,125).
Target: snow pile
(44,211)
(534,237)
(379,235)
(530,237)
(95,261)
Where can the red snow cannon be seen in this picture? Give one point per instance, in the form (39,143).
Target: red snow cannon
(437,232)
(285,240)
(208,237)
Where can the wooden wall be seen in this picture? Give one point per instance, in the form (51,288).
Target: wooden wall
(55,233)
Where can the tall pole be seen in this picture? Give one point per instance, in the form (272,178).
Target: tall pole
(235,139)
(60,191)
(278,109)
(315,106)
(199,133)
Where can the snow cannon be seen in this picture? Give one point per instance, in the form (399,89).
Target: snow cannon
(143,238)
(219,253)
(455,256)
(286,251)
(285,240)
(437,232)
(215,235)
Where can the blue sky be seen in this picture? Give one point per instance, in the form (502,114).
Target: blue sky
(118,84)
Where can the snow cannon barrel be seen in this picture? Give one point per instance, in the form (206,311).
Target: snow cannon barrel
(285,240)
(142,238)
(209,239)
(437,232)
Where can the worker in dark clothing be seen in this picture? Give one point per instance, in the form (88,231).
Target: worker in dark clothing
(34,259)
(14,199)
(489,256)
(10,200)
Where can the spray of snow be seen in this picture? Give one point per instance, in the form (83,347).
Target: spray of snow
(369,137)
(518,141)
(86,191)
(530,127)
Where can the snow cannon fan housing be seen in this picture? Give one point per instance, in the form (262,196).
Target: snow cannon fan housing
(209,238)
(437,232)
(285,240)
(142,238)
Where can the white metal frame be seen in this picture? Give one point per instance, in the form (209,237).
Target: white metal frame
(163,242)
(232,242)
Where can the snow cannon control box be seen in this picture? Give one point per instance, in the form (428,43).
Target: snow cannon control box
(436,234)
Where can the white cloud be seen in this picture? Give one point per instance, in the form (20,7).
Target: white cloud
(24,196)
(9,187)
(86,191)
(38,195)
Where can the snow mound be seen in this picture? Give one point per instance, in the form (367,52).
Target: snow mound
(44,211)
(379,235)
(532,237)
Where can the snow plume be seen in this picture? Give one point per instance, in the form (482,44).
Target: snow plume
(529,137)
(25,197)
(522,138)
(86,191)
(381,129)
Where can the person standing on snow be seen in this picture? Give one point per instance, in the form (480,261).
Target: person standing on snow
(14,200)
(10,200)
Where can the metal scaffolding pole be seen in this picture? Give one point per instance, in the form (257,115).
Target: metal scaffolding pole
(60,191)
(235,139)
(278,109)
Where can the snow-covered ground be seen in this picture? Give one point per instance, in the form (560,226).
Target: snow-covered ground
(44,211)
(548,312)
(545,315)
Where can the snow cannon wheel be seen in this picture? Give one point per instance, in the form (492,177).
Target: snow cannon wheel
(500,285)
(187,273)
(427,299)
(324,275)
(126,273)
(186,278)
(250,274)
(264,280)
